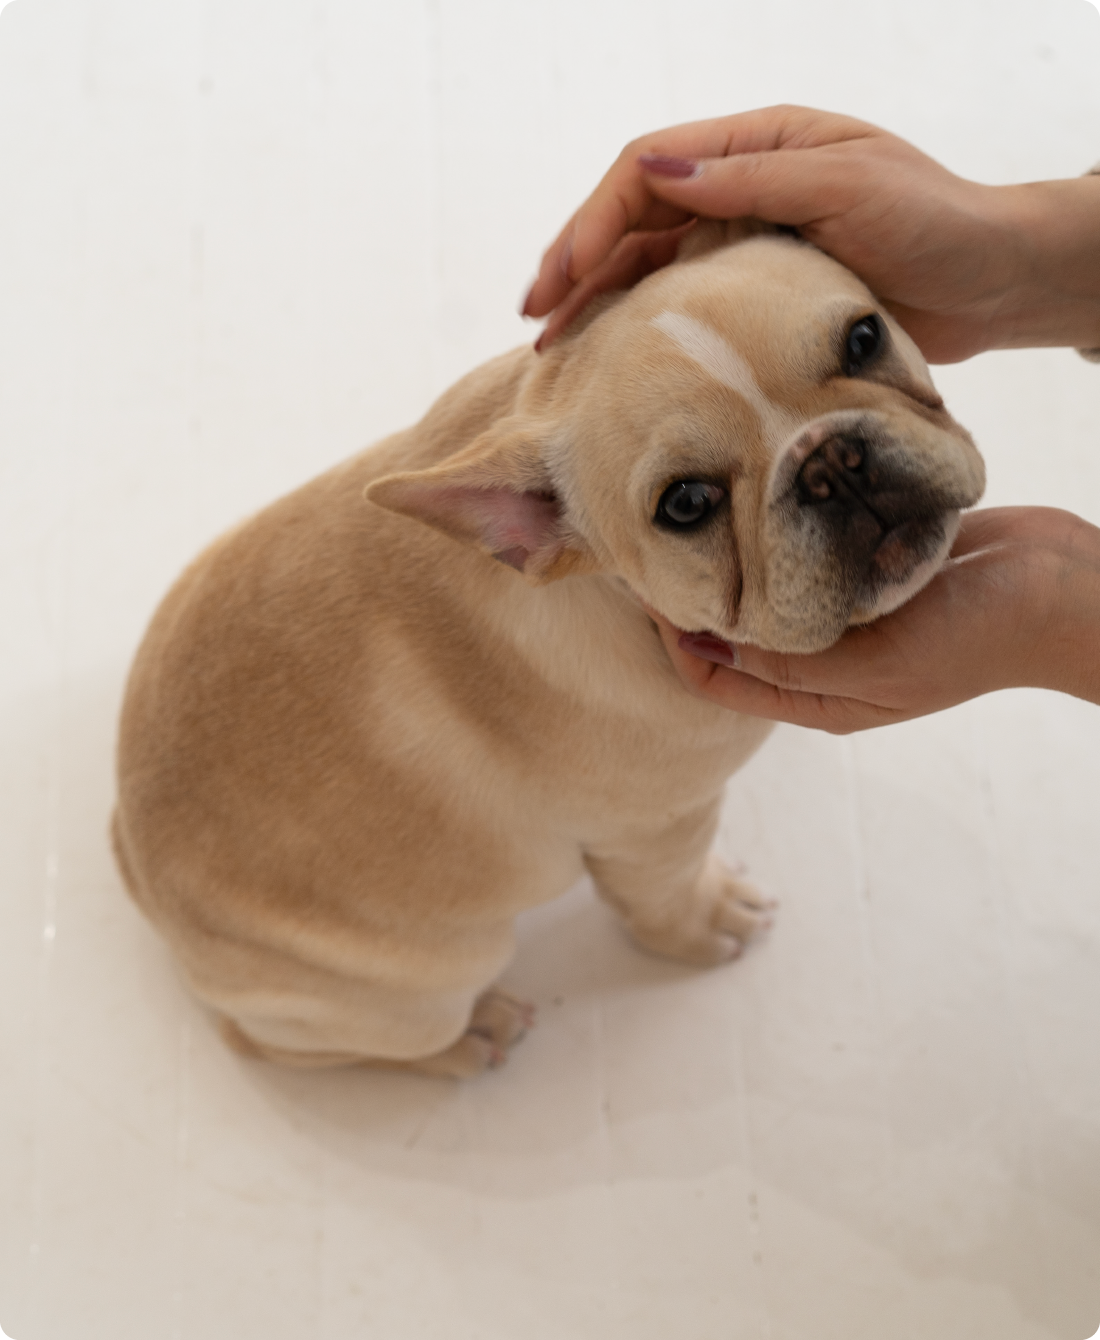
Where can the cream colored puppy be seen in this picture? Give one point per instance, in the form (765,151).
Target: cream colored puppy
(420,694)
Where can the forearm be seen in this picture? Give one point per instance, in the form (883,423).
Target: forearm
(1051,290)
(1066,653)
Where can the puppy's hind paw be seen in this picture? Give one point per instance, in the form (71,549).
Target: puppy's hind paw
(501,1018)
(498,1022)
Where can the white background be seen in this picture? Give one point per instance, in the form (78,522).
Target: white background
(238,240)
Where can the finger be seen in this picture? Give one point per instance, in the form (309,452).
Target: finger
(858,666)
(627,189)
(551,284)
(558,271)
(740,691)
(798,187)
(637,255)
(698,657)
(993,527)
(978,530)
(625,198)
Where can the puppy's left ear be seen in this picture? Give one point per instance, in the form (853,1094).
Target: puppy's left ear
(497,495)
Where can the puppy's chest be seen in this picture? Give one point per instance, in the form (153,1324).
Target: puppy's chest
(563,715)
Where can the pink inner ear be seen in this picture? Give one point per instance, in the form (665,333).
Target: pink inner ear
(513,526)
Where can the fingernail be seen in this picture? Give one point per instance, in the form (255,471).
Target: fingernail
(663,165)
(538,343)
(710,648)
(527,298)
(566,259)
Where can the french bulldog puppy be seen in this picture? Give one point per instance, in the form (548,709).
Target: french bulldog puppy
(420,694)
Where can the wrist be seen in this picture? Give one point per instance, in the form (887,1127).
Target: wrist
(1049,291)
(1066,648)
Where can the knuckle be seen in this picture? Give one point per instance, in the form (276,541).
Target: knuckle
(836,718)
(636,146)
(784,674)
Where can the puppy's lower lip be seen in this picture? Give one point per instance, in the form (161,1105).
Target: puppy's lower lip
(899,550)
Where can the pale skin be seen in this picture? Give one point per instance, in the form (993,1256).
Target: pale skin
(964,268)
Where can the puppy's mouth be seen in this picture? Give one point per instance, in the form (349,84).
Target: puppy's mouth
(904,561)
(897,552)
(889,528)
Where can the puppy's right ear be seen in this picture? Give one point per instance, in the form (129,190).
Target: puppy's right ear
(496,495)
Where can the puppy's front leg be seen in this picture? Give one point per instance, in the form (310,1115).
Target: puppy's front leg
(677,897)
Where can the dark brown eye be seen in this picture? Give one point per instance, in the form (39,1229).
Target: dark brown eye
(862,344)
(687,503)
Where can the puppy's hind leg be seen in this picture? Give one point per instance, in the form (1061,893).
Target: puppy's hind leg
(491,1024)
(678,899)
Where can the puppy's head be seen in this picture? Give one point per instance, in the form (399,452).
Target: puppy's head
(746,437)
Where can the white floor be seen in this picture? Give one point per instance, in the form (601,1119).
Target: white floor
(238,240)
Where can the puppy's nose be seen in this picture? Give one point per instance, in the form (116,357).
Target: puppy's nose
(838,471)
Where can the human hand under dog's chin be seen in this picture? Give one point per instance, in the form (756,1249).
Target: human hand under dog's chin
(1017,604)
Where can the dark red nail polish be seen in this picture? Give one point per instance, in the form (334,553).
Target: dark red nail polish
(664,165)
(708,648)
(538,343)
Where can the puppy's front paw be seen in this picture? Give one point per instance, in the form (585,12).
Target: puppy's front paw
(741,910)
(497,1022)
(715,924)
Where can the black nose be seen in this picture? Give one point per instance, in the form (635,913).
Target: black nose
(840,471)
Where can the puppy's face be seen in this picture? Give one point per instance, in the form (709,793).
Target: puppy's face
(746,438)
(762,453)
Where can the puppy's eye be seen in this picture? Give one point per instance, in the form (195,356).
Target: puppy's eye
(687,502)
(863,342)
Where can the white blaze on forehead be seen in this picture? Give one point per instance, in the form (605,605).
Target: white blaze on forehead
(716,356)
(713,354)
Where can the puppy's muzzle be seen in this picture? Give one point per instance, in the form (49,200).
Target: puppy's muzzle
(882,519)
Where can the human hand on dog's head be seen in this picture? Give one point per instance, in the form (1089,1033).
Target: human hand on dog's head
(1017,604)
(963,267)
